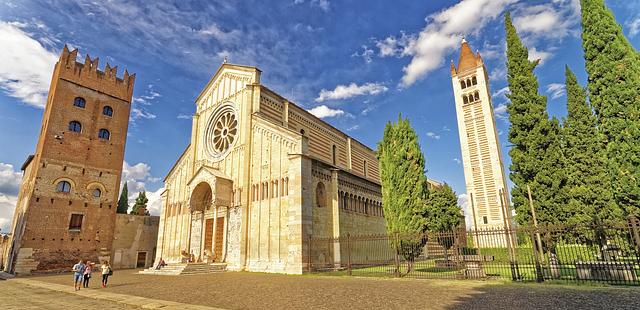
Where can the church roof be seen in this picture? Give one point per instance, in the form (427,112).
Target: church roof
(467,60)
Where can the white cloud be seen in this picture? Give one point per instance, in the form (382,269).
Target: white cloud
(556,90)
(445,128)
(396,46)
(323,111)
(351,90)
(26,66)
(7,207)
(463,202)
(9,180)
(154,206)
(9,187)
(535,54)
(443,34)
(502,92)
(139,112)
(498,73)
(634,26)
(366,54)
(457,160)
(501,112)
(223,36)
(184,116)
(137,176)
(433,135)
(353,128)
(555,20)
(322,4)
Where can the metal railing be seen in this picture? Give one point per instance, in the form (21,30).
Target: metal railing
(608,253)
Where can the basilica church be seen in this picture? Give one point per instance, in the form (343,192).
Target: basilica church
(260,178)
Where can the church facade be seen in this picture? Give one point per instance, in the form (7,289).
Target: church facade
(260,178)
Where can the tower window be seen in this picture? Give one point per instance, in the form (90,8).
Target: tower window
(79,102)
(476,96)
(107,110)
(485,220)
(63,187)
(463,85)
(97,193)
(75,126)
(465,99)
(104,134)
(76,222)
(474,81)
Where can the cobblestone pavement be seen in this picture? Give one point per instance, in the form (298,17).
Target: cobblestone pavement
(240,290)
(21,296)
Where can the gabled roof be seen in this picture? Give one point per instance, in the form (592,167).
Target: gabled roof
(229,66)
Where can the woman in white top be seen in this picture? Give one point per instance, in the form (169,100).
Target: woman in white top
(106,272)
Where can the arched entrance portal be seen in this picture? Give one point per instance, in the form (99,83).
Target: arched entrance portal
(207,231)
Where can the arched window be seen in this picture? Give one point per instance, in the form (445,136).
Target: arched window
(474,81)
(104,134)
(107,110)
(97,193)
(471,98)
(463,85)
(334,157)
(476,96)
(345,201)
(75,126)
(302,132)
(79,102)
(63,187)
(465,99)
(320,197)
(468,82)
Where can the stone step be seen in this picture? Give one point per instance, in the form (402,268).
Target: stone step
(186,269)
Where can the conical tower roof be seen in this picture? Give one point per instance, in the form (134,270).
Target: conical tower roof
(468,59)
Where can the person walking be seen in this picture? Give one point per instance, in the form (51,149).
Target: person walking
(78,273)
(87,274)
(106,272)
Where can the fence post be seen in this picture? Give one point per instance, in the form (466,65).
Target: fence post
(539,276)
(396,272)
(349,254)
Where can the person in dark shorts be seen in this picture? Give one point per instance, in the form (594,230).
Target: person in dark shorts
(78,274)
(106,272)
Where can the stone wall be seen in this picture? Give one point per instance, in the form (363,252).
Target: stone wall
(134,234)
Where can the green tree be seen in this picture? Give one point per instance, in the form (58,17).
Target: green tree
(123,201)
(404,188)
(613,66)
(536,155)
(443,215)
(590,200)
(141,202)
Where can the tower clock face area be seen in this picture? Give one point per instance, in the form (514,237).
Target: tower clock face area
(222,131)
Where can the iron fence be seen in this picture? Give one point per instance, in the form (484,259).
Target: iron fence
(608,253)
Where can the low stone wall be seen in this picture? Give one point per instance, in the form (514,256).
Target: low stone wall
(605,271)
(134,235)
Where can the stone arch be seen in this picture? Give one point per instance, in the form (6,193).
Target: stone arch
(201,197)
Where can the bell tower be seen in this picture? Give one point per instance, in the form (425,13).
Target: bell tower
(487,193)
(67,202)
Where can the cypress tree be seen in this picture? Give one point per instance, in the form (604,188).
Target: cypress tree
(536,155)
(404,188)
(123,201)
(443,215)
(590,200)
(613,66)
(141,202)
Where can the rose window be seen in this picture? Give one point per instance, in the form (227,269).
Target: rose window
(222,131)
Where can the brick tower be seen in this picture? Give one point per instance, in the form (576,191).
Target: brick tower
(481,156)
(68,198)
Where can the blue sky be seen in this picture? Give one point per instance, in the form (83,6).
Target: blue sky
(357,64)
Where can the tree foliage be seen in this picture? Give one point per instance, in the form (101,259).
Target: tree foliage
(590,200)
(141,202)
(613,66)
(404,188)
(443,214)
(536,155)
(123,201)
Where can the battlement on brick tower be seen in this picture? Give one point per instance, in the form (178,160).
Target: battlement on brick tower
(88,75)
